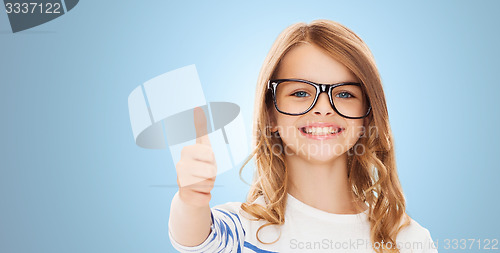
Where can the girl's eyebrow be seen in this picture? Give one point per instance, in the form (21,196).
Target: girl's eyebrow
(305,79)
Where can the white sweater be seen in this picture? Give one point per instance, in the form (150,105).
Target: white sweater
(306,229)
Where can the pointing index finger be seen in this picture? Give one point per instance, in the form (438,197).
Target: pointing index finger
(200,123)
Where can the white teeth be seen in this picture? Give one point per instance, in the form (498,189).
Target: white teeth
(321,130)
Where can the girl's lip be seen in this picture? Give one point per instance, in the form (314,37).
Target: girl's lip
(321,124)
(321,137)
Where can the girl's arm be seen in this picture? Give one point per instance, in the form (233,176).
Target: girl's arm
(227,233)
(190,215)
(189,224)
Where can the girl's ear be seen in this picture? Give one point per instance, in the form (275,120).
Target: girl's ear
(273,126)
(368,120)
(272,122)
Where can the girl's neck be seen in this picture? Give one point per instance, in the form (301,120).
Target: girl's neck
(323,186)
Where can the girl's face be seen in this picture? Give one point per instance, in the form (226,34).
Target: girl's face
(310,63)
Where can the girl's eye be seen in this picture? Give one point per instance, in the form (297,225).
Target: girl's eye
(300,94)
(344,94)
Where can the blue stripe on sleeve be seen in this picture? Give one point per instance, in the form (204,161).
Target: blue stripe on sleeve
(237,239)
(256,249)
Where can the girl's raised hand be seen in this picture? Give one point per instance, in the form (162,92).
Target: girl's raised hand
(196,170)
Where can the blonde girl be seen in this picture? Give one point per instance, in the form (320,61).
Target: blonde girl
(326,177)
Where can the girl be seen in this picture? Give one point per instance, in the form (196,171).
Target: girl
(326,177)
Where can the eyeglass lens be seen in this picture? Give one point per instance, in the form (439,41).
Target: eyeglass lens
(296,97)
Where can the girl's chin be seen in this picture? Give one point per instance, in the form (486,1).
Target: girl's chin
(318,151)
(322,155)
(321,158)
(323,149)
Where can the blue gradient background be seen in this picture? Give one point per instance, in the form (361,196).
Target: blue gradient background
(72,179)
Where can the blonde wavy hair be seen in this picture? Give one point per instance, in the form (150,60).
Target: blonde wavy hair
(372,174)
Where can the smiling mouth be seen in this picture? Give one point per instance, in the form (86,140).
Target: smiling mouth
(321,131)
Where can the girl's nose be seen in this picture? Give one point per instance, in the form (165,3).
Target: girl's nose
(323,106)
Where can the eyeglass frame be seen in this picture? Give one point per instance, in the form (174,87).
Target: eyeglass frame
(320,88)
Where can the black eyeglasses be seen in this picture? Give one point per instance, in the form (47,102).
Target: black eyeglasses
(297,97)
